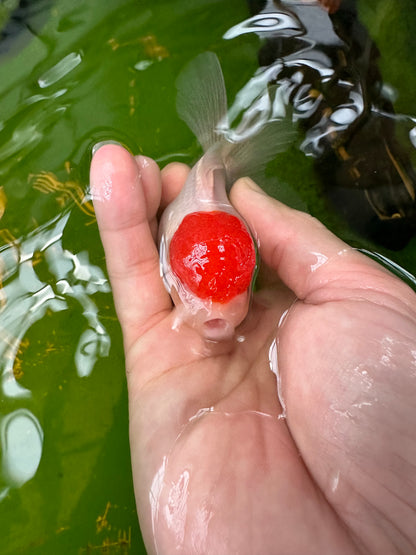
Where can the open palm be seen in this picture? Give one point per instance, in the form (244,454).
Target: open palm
(224,465)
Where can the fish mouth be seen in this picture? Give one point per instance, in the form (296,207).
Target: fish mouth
(217,329)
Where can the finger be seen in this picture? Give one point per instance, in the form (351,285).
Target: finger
(126,194)
(173,178)
(305,254)
(150,174)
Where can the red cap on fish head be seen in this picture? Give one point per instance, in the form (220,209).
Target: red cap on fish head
(213,255)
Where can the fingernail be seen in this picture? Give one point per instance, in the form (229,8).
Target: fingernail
(143,161)
(248,182)
(98,145)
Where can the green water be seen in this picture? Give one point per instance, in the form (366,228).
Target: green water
(87,72)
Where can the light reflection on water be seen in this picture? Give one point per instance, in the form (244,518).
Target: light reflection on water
(26,298)
(60,70)
(21,441)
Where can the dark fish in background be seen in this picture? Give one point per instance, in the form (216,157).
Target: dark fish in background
(20,21)
(324,65)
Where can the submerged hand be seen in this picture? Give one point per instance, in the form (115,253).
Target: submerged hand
(216,470)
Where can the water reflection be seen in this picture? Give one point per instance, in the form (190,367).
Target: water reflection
(325,69)
(27,296)
(23,21)
(60,70)
(28,130)
(21,441)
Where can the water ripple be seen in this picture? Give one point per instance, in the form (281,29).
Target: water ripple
(27,297)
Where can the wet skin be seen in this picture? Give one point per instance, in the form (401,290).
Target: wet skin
(338,474)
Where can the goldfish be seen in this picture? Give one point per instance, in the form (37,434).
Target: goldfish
(208,256)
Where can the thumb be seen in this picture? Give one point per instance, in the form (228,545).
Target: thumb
(304,253)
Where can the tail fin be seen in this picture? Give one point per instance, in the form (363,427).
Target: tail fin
(202,99)
(202,104)
(250,156)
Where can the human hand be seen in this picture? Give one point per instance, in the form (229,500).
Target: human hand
(215,468)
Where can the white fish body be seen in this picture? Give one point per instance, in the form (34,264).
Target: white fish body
(202,104)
